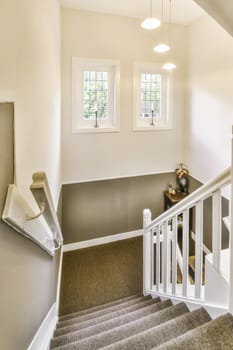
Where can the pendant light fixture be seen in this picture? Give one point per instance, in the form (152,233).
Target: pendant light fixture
(151,22)
(169,65)
(162,47)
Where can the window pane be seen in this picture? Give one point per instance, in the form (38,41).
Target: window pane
(150,95)
(95,95)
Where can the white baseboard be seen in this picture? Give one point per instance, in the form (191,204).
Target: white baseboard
(44,334)
(101,240)
(59,280)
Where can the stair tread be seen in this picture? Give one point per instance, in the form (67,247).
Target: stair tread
(214,335)
(105,317)
(114,335)
(99,307)
(158,309)
(97,313)
(155,336)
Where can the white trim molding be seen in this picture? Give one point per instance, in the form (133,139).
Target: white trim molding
(73,182)
(59,280)
(101,240)
(43,336)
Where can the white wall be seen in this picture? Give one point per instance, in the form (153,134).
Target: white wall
(209,114)
(30,75)
(93,156)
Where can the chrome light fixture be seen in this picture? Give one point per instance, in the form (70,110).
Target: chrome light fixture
(151,22)
(162,47)
(169,65)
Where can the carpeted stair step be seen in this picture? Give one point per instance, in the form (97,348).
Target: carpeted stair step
(160,334)
(214,335)
(107,325)
(115,335)
(102,311)
(99,307)
(76,324)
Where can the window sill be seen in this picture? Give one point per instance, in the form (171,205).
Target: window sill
(153,128)
(95,130)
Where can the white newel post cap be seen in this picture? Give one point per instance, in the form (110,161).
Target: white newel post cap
(146,217)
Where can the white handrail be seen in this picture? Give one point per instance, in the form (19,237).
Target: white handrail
(165,281)
(41,192)
(201,193)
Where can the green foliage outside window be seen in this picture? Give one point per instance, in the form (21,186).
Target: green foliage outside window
(95,95)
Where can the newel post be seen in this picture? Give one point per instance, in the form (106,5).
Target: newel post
(147,252)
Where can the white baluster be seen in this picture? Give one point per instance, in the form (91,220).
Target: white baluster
(216,228)
(152,258)
(147,256)
(185,251)
(174,254)
(198,248)
(169,233)
(165,256)
(158,259)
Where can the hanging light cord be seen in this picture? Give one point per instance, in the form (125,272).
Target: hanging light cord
(162,21)
(170,21)
(151,9)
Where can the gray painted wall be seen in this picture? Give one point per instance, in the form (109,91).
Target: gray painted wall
(28,275)
(101,208)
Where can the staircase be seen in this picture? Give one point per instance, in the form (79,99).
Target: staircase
(140,322)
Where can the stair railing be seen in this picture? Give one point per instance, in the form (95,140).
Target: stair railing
(161,253)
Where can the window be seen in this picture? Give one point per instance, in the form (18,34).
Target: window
(95,91)
(152,97)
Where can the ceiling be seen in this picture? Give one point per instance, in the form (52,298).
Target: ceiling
(183,11)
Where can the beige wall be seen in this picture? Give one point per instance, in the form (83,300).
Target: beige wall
(28,275)
(98,156)
(209,115)
(101,208)
(30,75)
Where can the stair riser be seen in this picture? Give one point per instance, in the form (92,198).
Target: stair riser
(108,337)
(105,326)
(101,312)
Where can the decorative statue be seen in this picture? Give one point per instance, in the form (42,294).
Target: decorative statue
(182,178)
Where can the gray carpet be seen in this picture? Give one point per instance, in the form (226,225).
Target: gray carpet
(110,324)
(100,274)
(76,324)
(161,333)
(215,335)
(98,307)
(143,323)
(69,319)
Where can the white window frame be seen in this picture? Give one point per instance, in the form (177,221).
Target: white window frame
(79,124)
(165,121)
